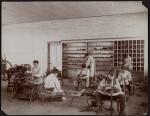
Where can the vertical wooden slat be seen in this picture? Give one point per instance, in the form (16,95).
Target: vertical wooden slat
(48,58)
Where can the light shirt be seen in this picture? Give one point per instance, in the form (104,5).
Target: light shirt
(51,81)
(91,62)
(124,77)
(37,75)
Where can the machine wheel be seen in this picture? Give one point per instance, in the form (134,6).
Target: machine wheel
(5,65)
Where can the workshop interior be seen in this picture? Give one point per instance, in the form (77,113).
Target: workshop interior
(74,58)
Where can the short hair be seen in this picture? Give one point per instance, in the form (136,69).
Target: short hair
(123,67)
(55,70)
(111,70)
(87,54)
(83,65)
(36,61)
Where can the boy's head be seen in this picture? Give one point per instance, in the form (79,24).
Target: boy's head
(123,69)
(55,71)
(86,55)
(35,63)
(111,73)
(83,66)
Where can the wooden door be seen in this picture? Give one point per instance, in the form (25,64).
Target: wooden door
(55,55)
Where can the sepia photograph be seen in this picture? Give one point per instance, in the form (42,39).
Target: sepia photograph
(74,58)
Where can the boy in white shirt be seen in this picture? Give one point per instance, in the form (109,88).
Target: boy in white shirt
(128,62)
(52,82)
(36,73)
(91,64)
(125,79)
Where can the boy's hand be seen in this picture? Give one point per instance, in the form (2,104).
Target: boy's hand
(108,88)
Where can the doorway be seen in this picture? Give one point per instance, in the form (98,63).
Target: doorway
(55,55)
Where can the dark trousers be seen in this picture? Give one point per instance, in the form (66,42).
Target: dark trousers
(128,87)
(100,97)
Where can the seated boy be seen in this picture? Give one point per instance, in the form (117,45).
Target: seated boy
(125,79)
(52,82)
(108,86)
(83,73)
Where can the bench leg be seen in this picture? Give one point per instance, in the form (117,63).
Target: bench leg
(71,100)
(118,103)
(133,90)
(62,82)
(111,106)
(11,94)
(43,99)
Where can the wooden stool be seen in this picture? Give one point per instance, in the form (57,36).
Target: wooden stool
(73,97)
(81,83)
(76,95)
(111,105)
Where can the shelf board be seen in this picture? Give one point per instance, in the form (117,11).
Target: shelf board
(103,57)
(102,53)
(79,64)
(74,58)
(74,53)
(75,50)
(74,46)
(72,61)
(101,48)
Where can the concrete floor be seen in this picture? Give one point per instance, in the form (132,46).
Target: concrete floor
(135,105)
